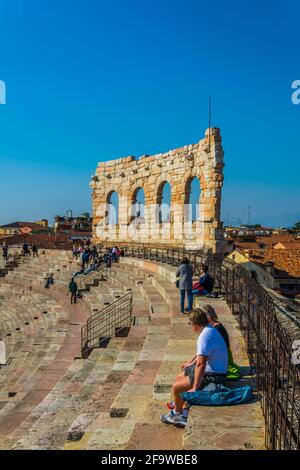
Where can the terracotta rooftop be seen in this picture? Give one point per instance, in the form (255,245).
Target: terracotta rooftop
(287,239)
(22,224)
(286,263)
(295,245)
(246,245)
(41,240)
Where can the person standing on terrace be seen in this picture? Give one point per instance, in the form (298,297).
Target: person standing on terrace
(34,250)
(73,289)
(185,284)
(5,251)
(26,251)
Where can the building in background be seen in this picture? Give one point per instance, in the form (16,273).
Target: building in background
(277,269)
(73,225)
(43,223)
(18,228)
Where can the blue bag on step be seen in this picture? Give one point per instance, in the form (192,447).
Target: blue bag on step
(219,396)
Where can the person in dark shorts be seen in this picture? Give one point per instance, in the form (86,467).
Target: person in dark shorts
(73,289)
(5,252)
(34,250)
(26,251)
(208,366)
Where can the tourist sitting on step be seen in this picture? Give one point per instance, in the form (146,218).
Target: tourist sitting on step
(233,372)
(205,284)
(81,271)
(73,289)
(214,321)
(106,258)
(93,267)
(49,281)
(185,282)
(210,365)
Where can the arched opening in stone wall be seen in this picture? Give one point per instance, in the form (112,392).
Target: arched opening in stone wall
(113,208)
(192,199)
(164,202)
(138,205)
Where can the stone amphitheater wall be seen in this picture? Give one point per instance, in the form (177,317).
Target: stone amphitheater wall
(178,167)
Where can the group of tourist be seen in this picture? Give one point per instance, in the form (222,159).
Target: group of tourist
(209,366)
(26,251)
(88,255)
(213,356)
(187,287)
(85,254)
(91,260)
(112,255)
(213,359)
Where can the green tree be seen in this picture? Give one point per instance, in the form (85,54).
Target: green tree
(297,227)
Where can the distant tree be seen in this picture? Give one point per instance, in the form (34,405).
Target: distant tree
(257,226)
(297,227)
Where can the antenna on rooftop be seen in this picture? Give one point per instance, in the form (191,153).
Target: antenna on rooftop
(249,212)
(209,119)
(227,222)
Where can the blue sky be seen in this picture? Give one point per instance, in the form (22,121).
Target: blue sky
(91,81)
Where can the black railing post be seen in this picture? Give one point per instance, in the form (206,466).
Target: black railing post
(226,286)
(233,291)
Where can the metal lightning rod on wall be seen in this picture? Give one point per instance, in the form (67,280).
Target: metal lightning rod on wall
(209,119)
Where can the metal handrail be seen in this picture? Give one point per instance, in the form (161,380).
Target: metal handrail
(104,324)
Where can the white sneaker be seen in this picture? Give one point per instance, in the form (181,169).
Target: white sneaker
(178,420)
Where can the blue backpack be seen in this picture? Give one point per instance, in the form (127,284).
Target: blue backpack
(221,396)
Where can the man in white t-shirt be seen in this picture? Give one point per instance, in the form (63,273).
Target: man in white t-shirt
(208,366)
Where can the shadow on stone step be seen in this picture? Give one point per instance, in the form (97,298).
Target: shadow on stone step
(247,378)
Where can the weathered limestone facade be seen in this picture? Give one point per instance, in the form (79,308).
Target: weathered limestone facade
(178,167)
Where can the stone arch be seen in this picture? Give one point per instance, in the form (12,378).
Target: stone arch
(112,208)
(137,204)
(164,201)
(192,196)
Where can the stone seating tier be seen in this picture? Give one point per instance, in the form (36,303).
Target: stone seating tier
(113,399)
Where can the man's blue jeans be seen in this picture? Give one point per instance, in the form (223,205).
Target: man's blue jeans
(182,299)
